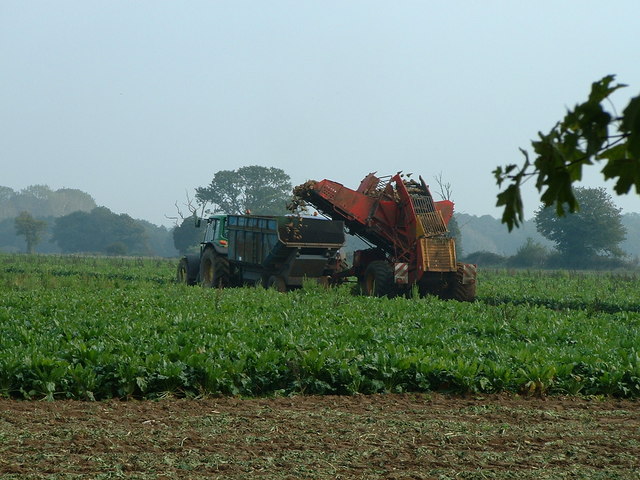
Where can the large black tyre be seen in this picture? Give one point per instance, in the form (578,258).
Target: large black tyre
(214,269)
(377,280)
(463,292)
(277,282)
(188,268)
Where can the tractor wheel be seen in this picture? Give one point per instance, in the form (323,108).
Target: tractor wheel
(214,269)
(377,280)
(277,282)
(188,267)
(463,292)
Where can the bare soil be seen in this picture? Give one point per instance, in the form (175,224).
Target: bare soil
(304,437)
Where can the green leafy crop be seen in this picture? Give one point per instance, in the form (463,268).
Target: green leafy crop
(91,328)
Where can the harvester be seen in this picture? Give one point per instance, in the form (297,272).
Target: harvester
(407,231)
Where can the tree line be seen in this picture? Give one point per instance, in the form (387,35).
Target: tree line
(69,221)
(42,201)
(589,238)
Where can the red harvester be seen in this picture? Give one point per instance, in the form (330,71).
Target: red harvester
(408,231)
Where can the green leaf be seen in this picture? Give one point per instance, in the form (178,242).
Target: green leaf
(626,170)
(631,125)
(513,214)
(614,153)
(602,89)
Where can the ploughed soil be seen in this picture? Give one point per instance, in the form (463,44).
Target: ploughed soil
(408,436)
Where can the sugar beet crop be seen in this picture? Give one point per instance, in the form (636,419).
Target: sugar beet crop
(90,328)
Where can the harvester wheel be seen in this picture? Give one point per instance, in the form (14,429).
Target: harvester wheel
(463,292)
(377,280)
(188,267)
(277,282)
(214,269)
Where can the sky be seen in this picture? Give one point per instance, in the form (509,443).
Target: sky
(138,103)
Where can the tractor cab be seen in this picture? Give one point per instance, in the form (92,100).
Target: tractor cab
(216,233)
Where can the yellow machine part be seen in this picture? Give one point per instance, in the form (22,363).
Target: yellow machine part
(438,254)
(430,223)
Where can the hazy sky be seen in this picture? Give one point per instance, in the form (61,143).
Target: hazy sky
(139,102)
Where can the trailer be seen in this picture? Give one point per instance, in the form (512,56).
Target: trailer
(273,251)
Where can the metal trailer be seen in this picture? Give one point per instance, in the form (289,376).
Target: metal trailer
(279,252)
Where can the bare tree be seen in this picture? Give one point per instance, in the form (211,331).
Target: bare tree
(191,208)
(444,188)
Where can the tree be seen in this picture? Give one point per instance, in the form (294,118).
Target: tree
(7,208)
(580,237)
(34,198)
(42,201)
(68,200)
(482,257)
(580,139)
(31,228)
(531,254)
(158,239)
(98,231)
(261,190)
(186,235)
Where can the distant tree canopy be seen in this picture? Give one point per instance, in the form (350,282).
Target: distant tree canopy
(530,255)
(186,236)
(30,228)
(159,239)
(580,139)
(261,190)
(595,230)
(100,230)
(41,201)
(484,258)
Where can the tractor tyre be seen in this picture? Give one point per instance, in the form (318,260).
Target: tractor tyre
(277,282)
(214,269)
(377,280)
(188,268)
(463,292)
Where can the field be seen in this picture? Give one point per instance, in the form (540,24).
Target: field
(539,378)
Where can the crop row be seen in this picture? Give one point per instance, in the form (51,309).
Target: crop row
(94,334)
